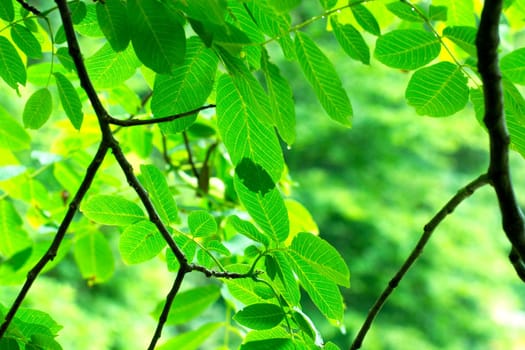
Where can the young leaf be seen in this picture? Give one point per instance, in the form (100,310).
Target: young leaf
(12,134)
(244,135)
(13,238)
(191,340)
(155,183)
(366,19)
(351,41)
(7,11)
(407,48)
(108,68)
(37,109)
(321,74)
(438,91)
(323,292)
(156,34)
(26,41)
(140,242)
(281,100)
(513,66)
(247,229)
(186,88)
(266,209)
(113,20)
(323,257)
(94,257)
(70,100)
(260,316)
(12,69)
(190,304)
(202,224)
(464,37)
(111,210)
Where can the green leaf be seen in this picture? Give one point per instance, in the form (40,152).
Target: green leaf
(459,13)
(12,134)
(323,257)
(300,218)
(437,13)
(284,5)
(108,68)
(286,284)
(26,41)
(78,10)
(63,56)
(366,19)
(155,183)
(245,22)
(202,224)
(140,242)
(188,247)
(321,74)
(513,66)
(243,289)
(7,11)
(186,88)
(323,292)
(266,209)
(111,210)
(464,37)
(260,316)
(281,100)
(404,11)
(438,91)
(247,229)
(244,135)
(12,69)
(37,109)
(205,10)
(328,4)
(278,343)
(70,100)
(156,34)
(514,111)
(89,24)
(193,339)
(13,238)
(9,343)
(113,20)
(94,257)
(351,41)
(407,48)
(36,322)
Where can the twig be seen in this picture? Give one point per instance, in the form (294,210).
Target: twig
(134,122)
(429,228)
(57,240)
(487,42)
(30,8)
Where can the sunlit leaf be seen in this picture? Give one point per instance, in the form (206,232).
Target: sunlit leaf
(278,343)
(26,41)
(12,69)
(111,210)
(12,134)
(94,257)
(366,19)
(438,91)
(37,109)
(155,183)
(193,339)
(202,224)
(140,242)
(113,19)
(70,100)
(247,229)
(260,316)
(464,37)
(513,66)
(407,48)
(351,41)
(459,13)
(13,238)
(108,68)
(321,74)
(404,11)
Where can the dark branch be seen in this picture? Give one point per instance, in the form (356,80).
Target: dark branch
(133,122)
(221,274)
(487,42)
(416,252)
(30,8)
(62,229)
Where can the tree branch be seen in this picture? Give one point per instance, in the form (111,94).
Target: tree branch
(429,228)
(487,42)
(134,122)
(29,8)
(59,237)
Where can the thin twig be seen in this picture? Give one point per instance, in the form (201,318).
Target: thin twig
(59,237)
(429,228)
(30,8)
(487,42)
(134,122)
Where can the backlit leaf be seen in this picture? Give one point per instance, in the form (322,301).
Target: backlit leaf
(26,41)
(464,37)
(260,316)
(513,66)
(321,75)
(113,19)
(404,11)
(459,13)
(351,41)
(13,238)
(438,91)
(94,257)
(156,34)
(37,109)
(12,134)
(155,183)
(193,339)
(111,210)
(70,100)
(108,68)
(366,19)
(12,69)
(7,11)
(407,48)
(202,224)
(276,343)
(286,282)
(247,229)
(140,242)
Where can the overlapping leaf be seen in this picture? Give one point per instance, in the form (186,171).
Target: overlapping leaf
(113,20)
(247,229)
(108,68)
(140,242)
(260,316)
(321,74)
(155,183)
(407,48)
(438,91)
(464,37)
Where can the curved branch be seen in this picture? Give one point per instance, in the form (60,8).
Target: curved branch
(429,228)
(487,42)
(134,122)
